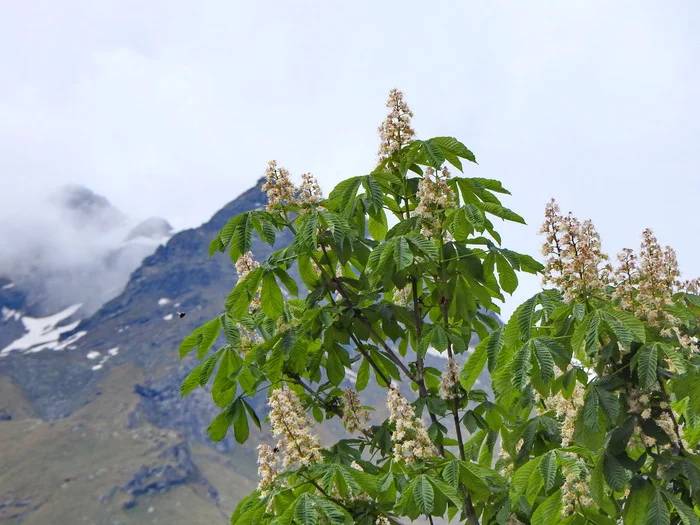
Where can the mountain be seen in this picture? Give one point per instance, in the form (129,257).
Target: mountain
(92,427)
(76,249)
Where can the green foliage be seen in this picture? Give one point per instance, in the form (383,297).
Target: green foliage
(586,401)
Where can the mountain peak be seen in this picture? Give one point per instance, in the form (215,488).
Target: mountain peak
(85,207)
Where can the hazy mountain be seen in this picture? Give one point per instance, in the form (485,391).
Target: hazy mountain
(75,248)
(92,427)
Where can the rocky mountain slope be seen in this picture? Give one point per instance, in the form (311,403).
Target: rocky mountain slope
(92,427)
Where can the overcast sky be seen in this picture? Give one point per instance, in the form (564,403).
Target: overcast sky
(173,108)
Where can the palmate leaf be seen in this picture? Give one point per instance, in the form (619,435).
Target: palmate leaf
(526,318)
(334,366)
(522,366)
(544,359)
(500,211)
(403,258)
(271,301)
(657,512)
(343,195)
(616,476)
(548,469)
(549,511)
(506,274)
(685,512)
(377,227)
(494,344)
(647,363)
(423,494)
(473,366)
(451,147)
(362,376)
(219,426)
(191,381)
(242,236)
(304,510)
(374,192)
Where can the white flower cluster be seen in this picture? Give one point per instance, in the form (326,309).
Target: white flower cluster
(434,195)
(381,520)
(248,339)
(267,469)
(278,186)
(411,440)
(575,488)
(644,283)
(289,422)
(566,411)
(403,296)
(449,381)
(310,191)
(244,265)
(354,416)
(396,130)
(575,263)
(646,289)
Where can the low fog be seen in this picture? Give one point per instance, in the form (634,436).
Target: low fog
(70,246)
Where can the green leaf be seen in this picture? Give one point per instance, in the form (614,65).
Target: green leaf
(548,469)
(271,300)
(240,422)
(636,503)
(685,512)
(676,358)
(252,413)
(362,376)
(344,193)
(424,495)
(374,192)
(207,367)
(191,381)
(647,364)
(631,322)
(449,491)
(506,275)
(377,227)
(545,360)
(242,236)
(455,147)
(335,367)
(210,332)
(289,283)
(307,273)
(521,367)
(273,366)
(233,335)
(439,338)
(615,474)
(475,216)
(657,511)
(433,156)
(494,344)
(526,318)
(219,426)
(549,511)
(473,366)
(590,409)
(500,211)
(305,513)
(403,258)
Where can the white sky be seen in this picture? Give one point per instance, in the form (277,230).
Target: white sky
(174,108)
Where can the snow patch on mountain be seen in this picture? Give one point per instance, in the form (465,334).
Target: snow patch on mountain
(43,332)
